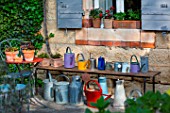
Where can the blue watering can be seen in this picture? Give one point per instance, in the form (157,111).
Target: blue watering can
(101,63)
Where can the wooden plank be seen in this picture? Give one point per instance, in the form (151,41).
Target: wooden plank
(156,6)
(150,74)
(155,25)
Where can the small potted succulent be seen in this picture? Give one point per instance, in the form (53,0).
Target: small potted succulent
(56,60)
(10,53)
(46,59)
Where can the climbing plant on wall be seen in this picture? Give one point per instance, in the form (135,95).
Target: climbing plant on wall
(22,19)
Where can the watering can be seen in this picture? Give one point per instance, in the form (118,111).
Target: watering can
(135,66)
(92,95)
(61,90)
(133,92)
(125,67)
(48,93)
(145,63)
(69,58)
(82,64)
(103,84)
(75,90)
(101,63)
(120,96)
(92,63)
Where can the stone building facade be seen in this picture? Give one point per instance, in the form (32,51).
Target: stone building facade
(114,45)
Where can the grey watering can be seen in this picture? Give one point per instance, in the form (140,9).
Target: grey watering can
(134,94)
(135,66)
(48,93)
(61,90)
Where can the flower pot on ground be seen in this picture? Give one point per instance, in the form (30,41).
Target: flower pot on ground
(28,53)
(96,15)
(10,53)
(56,60)
(46,60)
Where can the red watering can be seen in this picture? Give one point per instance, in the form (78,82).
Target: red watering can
(92,95)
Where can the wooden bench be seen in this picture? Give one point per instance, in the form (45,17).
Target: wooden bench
(149,75)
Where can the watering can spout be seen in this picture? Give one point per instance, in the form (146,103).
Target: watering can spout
(141,67)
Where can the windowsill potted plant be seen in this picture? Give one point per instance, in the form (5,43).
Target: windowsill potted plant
(56,60)
(96,15)
(108,18)
(46,59)
(129,19)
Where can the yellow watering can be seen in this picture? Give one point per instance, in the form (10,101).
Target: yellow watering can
(82,64)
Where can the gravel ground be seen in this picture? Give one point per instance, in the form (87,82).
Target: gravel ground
(52,107)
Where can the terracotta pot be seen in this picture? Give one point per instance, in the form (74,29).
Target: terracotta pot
(28,55)
(11,55)
(57,62)
(96,22)
(45,62)
(108,23)
(18,59)
(131,24)
(87,23)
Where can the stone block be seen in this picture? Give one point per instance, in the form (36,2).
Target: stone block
(162,42)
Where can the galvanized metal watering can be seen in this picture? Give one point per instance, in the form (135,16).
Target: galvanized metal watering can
(92,63)
(82,64)
(48,93)
(69,58)
(135,66)
(61,89)
(120,96)
(75,90)
(133,94)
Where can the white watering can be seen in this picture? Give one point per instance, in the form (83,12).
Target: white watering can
(120,96)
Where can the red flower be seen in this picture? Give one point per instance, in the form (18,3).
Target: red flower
(107,11)
(100,15)
(112,8)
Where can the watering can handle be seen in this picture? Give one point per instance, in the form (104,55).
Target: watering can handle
(51,92)
(107,96)
(135,58)
(68,48)
(85,86)
(62,75)
(78,57)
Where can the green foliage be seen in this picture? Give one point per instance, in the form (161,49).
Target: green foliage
(22,19)
(129,15)
(133,15)
(101,105)
(119,16)
(96,13)
(56,55)
(43,55)
(150,102)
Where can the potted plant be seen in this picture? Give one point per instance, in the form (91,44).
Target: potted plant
(108,18)
(10,53)
(28,52)
(96,15)
(56,60)
(46,59)
(129,19)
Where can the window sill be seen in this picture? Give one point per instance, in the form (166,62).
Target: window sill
(115,37)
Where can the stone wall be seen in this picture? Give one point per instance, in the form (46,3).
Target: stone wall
(159,56)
